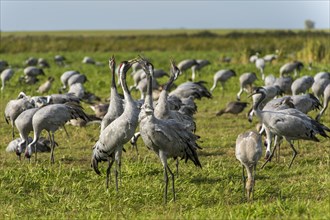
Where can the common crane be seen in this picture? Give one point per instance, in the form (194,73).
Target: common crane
(6,75)
(115,108)
(288,123)
(248,151)
(222,76)
(167,138)
(246,81)
(117,133)
(51,118)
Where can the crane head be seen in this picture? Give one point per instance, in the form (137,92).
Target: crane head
(258,90)
(174,70)
(112,62)
(146,66)
(126,65)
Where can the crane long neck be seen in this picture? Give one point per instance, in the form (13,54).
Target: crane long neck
(148,99)
(127,94)
(113,77)
(256,105)
(169,83)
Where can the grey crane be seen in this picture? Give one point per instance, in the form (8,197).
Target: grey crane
(304,103)
(59,60)
(62,98)
(326,99)
(284,83)
(319,86)
(46,86)
(234,107)
(65,77)
(77,78)
(78,90)
(270,57)
(43,63)
(261,64)
(288,123)
(272,92)
(162,109)
(119,132)
(6,75)
(222,76)
(43,145)
(246,81)
(248,151)
(51,118)
(186,64)
(115,108)
(33,71)
(167,138)
(197,67)
(321,75)
(14,108)
(31,74)
(294,66)
(88,60)
(23,124)
(191,89)
(302,85)
(31,61)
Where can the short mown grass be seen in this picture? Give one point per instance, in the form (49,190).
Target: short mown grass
(71,189)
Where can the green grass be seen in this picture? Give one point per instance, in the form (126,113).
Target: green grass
(71,189)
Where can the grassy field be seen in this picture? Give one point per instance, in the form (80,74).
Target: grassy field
(71,189)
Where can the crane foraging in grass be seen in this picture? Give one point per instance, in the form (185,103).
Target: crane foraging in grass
(234,107)
(246,81)
(51,118)
(6,75)
(326,99)
(167,138)
(222,76)
(294,66)
(248,151)
(290,123)
(109,147)
(14,108)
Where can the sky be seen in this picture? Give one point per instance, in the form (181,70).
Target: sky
(44,15)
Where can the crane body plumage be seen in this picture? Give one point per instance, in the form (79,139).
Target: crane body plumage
(51,118)
(248,151)
(290,123)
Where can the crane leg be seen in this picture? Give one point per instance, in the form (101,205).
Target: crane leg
(13,133)
(294,154)
(270,157)
(243,180)
(172,176)
(177,166)
(166,184)
(110,162)
(52,148)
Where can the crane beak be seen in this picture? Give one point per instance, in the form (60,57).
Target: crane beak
(95,166)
